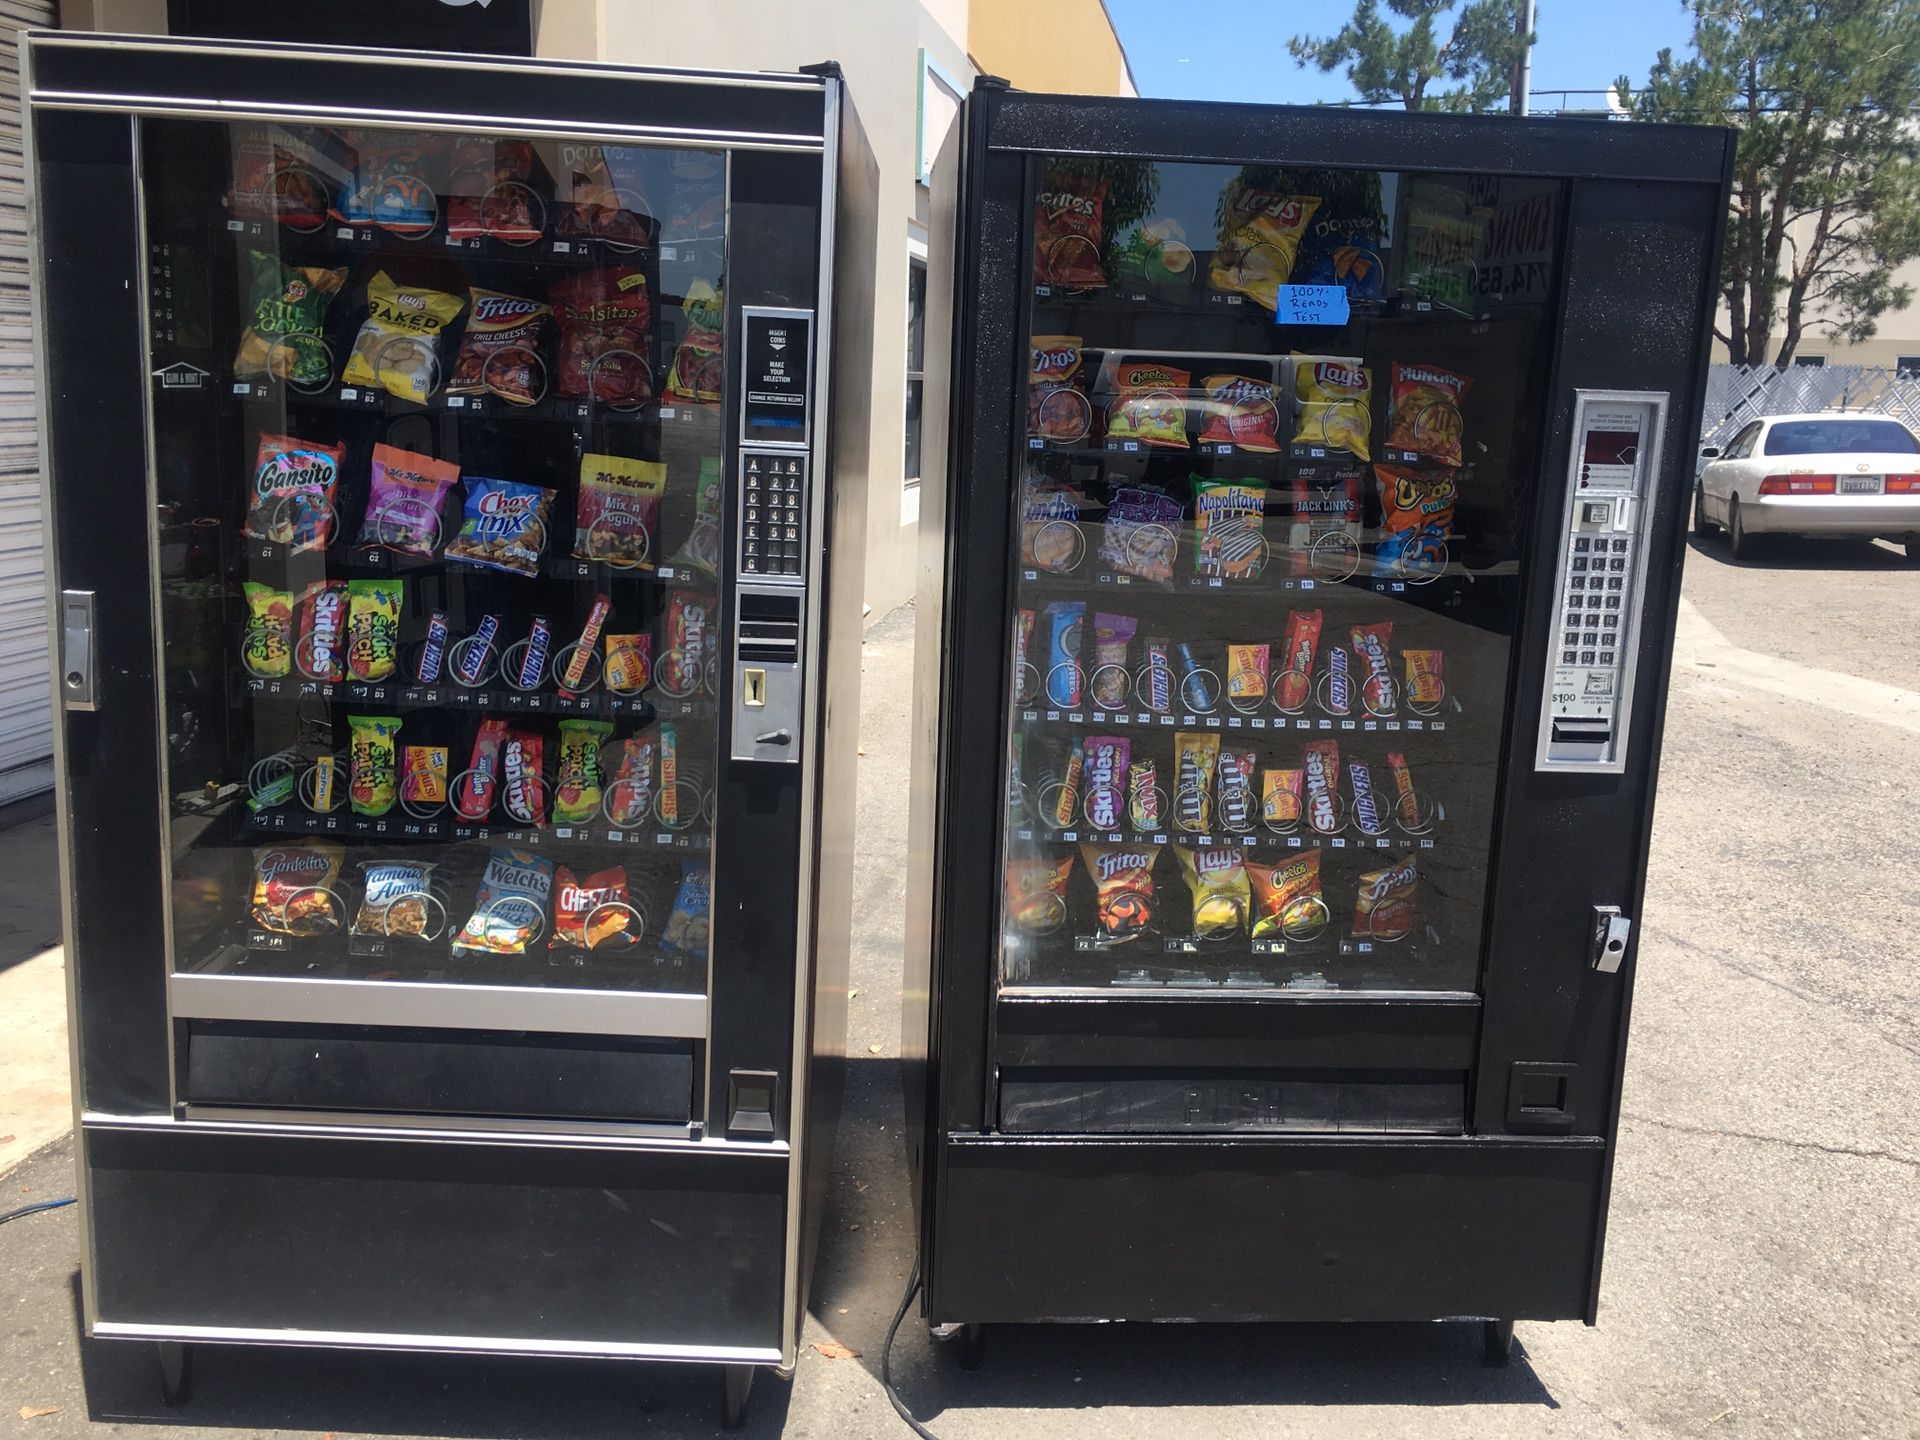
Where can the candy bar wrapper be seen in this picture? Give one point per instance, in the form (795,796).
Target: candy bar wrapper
(293,888)
(1122,877)
(1143,797)
(1036,888)
(1338,699)
(373,628)
(503,526)
(1240,411)
(275,793)
(1405,799)
(688,920)
(510,905)
(701,549)
(589,910)
(1141,534)
(1106,780)
(581,651)
(321,653)
(523,791)
(1066,803)
(533,659)
(629,797)
(1237,800)
(1247,676)
(1425,417)
(1022,647)
(1366,804)
(1416,516)
(1371,647)
(1426,679)
(1196,757)
(476,651)
(1322,774)
(684,659)
(1158,679)
(423,775)
(617,518)
(1330,403)
(1017,815)
(1150,404)
(404,501)
(395,898)
(629,663)
(1286,897)
(1110,680)
(1196,686)
(668,805)
(1280,796)
(294,484)
(1217,880)
(1228,520)
(474,800)
(266,646)
(1049,523)
(1386,904)
(373,776)
(577,797)
(1320,509)
(325,772)
(1065,622)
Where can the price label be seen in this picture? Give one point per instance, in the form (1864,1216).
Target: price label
(1310,305)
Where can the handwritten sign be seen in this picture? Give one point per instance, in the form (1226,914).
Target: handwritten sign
(1310,305)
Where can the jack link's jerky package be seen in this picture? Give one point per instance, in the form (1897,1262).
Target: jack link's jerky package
(1386,904)
(1330,403)
(1122,878)
(1217,880)
(373,628)
(294,484)
(617,516)
(1426,412)
(1286,897)
(1259,240)
(1036,891)
(293,890)
(1196,757)
(404,500)
(286,314)
(504,526)
(1228,518)
(266,645)
(1141,534)
(510,906)
(589,910)
(577,798)
(606,336)
(500,352)
(398,347)
(1067,233)
(396,900)
(1323,506)
(373,774)
(688,920)
(701,549)
(1417,512)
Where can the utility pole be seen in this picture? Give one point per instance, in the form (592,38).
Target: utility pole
(1518,96)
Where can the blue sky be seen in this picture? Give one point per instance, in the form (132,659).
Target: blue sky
(1237,49)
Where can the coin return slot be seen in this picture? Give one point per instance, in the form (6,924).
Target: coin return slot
(768,629)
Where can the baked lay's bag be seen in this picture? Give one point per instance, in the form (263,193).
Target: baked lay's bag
(398,347)
(1259,241)
(1330,403)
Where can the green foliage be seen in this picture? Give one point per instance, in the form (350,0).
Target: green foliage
(1826,186)
(1387,63)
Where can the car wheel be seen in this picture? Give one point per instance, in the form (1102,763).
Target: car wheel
(1913,549)
(1702,527)
(1739,543)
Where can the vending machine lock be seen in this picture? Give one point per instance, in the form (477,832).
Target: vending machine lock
(1611,931)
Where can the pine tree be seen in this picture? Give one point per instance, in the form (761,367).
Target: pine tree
(1388,64)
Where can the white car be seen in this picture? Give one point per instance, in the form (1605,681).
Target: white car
(1836,473)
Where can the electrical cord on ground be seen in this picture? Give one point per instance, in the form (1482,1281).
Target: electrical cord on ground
(59,1204)
(886,1355)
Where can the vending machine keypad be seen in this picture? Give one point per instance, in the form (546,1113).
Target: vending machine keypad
(773,515)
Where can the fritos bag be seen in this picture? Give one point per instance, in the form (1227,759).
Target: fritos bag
(1067,220)
(1386,904)
(1122,878)
(1426,412)
(500,353)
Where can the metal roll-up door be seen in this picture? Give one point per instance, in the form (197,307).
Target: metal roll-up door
(26,719)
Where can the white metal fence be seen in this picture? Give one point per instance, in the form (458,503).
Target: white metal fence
(1739,393)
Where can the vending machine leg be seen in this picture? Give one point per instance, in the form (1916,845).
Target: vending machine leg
(1498,1338)
(738,1383)
(973,1346)
(176,1372)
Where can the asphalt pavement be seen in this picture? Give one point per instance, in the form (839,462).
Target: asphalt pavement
(1765,1240)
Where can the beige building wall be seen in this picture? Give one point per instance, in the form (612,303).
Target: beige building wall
(1897,336)
(1066,47)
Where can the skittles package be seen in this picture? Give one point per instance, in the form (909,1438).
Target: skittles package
(523,780)
(321,651)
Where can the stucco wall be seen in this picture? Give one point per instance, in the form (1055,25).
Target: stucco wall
(1065,46)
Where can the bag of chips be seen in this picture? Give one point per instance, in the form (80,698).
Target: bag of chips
(1386,904)
(1110,682)
(617,518)
(1067,230)
(606,336)
(266,645)
(699,372)
(592,909)
(523,780)
(373,775)
(1416,516)
(398,347)
(510,905)
(1240,410)
(1036,889)
(494,188)
(1259,241)
(701,549)
(500,352)
(629,663)
(1150,403)
(1228,516)
(293,888)
(1426,412)
(1141,534)
(1057,404)
(395,181)
(687,921)
(397,901)
(404,501)
(630,793)
(373,628)
(286,315)
(1196,756)
(423,776)
(321,651)
(576,798)
(294,484)
(1330,403)
(1050,536)
(281,173)
(1286,897)
(1217,881)
(504,526)
(1122,878)
(602,197)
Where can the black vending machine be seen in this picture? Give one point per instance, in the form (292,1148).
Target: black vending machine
(1303,575)
(457,583)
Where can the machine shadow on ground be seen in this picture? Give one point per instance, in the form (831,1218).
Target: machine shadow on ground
(1789,552)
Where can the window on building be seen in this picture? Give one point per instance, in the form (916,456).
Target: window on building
(916,361)
(1810,362)
(1907,367)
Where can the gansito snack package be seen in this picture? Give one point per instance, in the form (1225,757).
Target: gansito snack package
(1057,405)
(266,645)
(1417,514)
(577,797)
(1280,794)
(523,781)
(701,549)
(1106,759)
(1426,679)
(473,799)
(1286,897)
(1122,878)
(1330,403)
(1036,891)
(630,791)
(1241,411)
(404,501)
(1259,240)
(1141,534)
(294,483)
(1196,755)
(1370,647)
(1217,880)
(1323,506)
(1110,681)
(495,189)
(1067,230)
(500,352)
(394,182)
(286,313)
(1050,523)
(321,651)
(1247,667)
(589,910)
(1238,804)
(423,776)
(503,526)
(1228,520)
(1426,412)
(606,336)
(398,347)
(1065,677)
(1321,763)
(617,515)
(690,915)
(698,374)
(629,663)
(683,659)
(509,906)
(1149,403)
(396,899)
(1385,906)
(373,774)
(373,628)
(293,888)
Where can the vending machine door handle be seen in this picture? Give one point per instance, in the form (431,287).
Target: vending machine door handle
(774,737)
(1611,931)
(76,649)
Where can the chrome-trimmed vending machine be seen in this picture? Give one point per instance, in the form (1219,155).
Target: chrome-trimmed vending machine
(1303,570)
(456,568)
